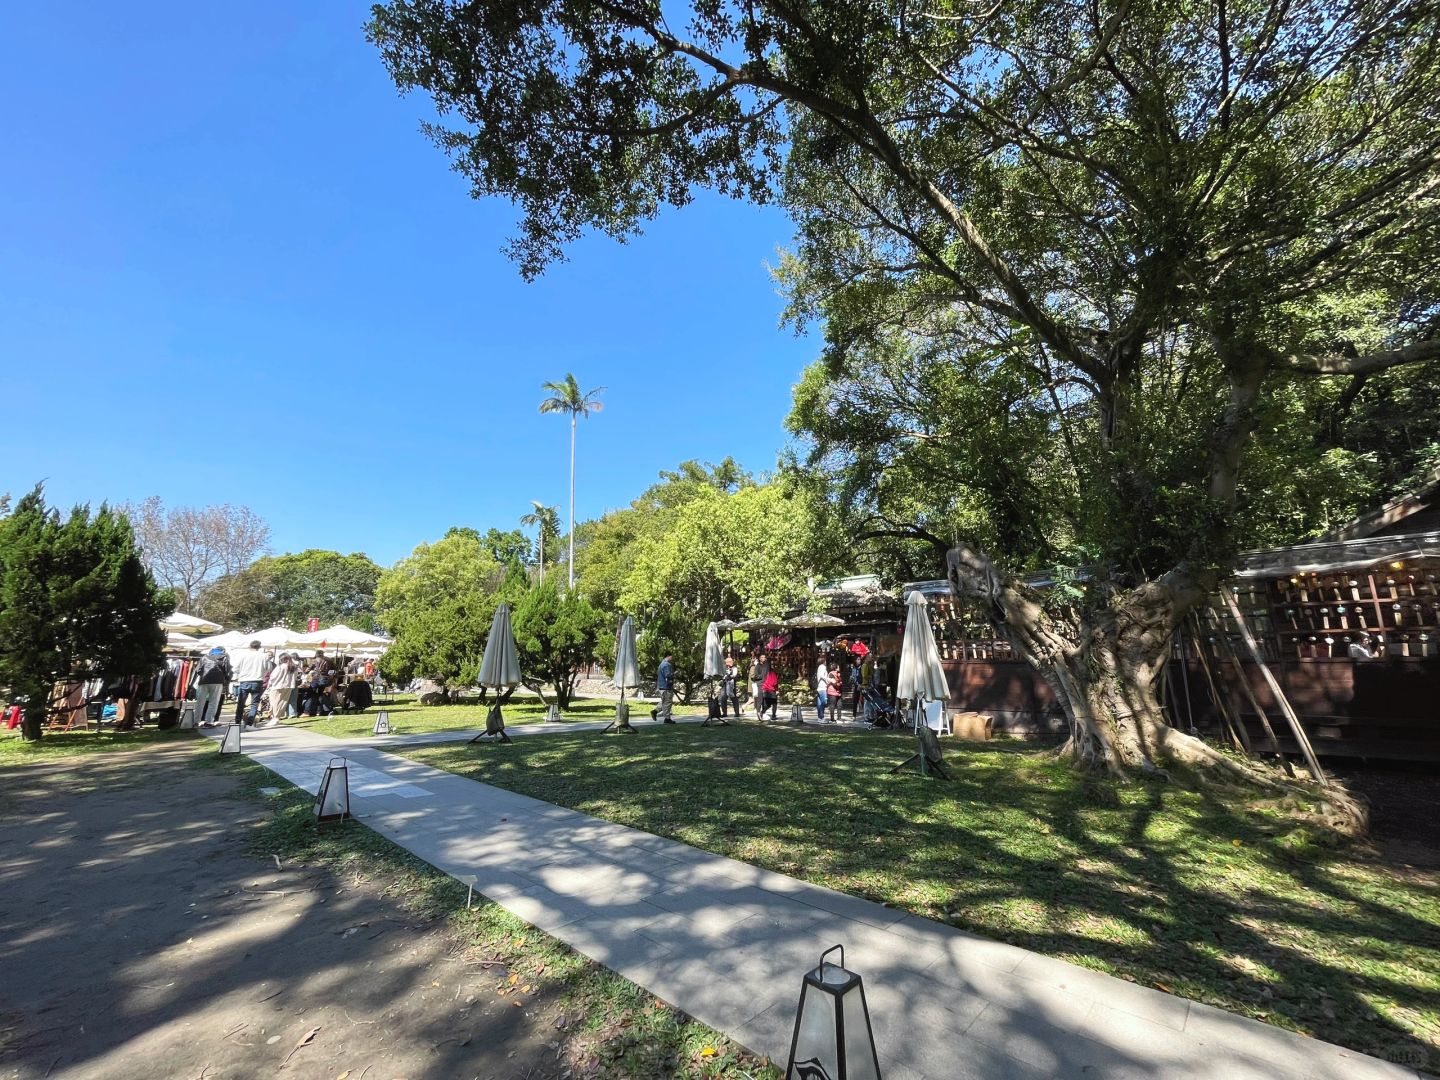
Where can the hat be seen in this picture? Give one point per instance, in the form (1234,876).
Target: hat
(216,651)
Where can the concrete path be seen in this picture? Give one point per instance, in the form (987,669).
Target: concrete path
(727,942)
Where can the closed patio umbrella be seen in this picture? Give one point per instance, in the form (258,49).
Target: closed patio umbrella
(627,675)
(714,661)
(499,669)
(922,678)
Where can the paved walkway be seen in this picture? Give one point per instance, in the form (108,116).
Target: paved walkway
(727,942)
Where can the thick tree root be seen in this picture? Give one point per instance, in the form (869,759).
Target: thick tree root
(1181,757)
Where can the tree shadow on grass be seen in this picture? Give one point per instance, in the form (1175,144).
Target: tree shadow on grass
(1163,886)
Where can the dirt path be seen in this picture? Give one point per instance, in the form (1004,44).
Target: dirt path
(138,939)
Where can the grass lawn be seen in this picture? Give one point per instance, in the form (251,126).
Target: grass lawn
(1155,884)
(408,718)
(603,1024)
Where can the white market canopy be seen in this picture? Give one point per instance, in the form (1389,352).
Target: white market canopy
(231,639)
(341,636)
(181,623)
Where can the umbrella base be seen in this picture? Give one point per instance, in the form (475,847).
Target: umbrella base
(494,727)
(621,724)
(929,757)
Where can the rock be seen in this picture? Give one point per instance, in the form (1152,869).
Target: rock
(430,693)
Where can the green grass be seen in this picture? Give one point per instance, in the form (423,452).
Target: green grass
(408,718)
(612,1027)
(57,745)
(1147,881)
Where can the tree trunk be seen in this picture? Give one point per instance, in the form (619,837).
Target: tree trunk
(32,724)
(1102,666)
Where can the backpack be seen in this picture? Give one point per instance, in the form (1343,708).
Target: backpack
(214,669)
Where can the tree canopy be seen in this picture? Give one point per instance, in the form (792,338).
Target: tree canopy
(187,548)
(287,590)
(1109,236)
(556,635)
(438,603)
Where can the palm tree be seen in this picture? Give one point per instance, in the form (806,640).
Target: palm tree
(547,520)
(565,397)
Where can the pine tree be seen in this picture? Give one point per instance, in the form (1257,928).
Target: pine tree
(75,602)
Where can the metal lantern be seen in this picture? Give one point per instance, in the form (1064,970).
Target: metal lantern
(382,723)
(832,1039)
(230,741)
(332,801)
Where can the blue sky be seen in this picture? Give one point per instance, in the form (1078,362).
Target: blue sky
(232,269)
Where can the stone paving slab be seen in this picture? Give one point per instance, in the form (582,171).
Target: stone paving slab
(728,942)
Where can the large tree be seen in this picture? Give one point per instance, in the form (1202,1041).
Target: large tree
(187,548)
(556,635)
(291,589)
(438,603)
(76,602)
(1102,201)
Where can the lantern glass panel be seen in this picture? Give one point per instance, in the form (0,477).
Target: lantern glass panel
(859,1046)
(815,1048)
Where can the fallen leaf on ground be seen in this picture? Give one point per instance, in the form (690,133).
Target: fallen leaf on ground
(707,1051)
(304,1039)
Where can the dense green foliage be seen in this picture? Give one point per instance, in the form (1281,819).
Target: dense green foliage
(75,602)
(288,590)
(557,635)
(438,603)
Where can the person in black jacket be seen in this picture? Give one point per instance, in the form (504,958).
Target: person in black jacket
(210,686)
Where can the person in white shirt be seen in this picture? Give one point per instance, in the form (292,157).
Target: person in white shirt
(822,685)
(250,669)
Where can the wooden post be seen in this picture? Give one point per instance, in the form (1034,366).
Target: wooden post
(1250,696)
(1239,738)
(1291,718)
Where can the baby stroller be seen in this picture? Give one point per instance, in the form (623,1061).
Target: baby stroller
(878,711)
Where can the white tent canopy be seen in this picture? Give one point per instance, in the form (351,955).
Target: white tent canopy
(279,637)
(231,639)
(179,622)
(341,636)
(180,641)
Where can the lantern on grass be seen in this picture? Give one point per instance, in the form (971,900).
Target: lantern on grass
(332,801)
(382,723)
(832,1039)
(230,741)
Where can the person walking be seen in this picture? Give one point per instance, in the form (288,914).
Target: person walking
(250,670)
(210,686)
(770,694)
(665,683)
(729,690)
(280,686)
(822,689)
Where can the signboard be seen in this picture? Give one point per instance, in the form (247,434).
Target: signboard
(312,625)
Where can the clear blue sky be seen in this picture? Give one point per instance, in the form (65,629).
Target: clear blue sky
(232,269)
